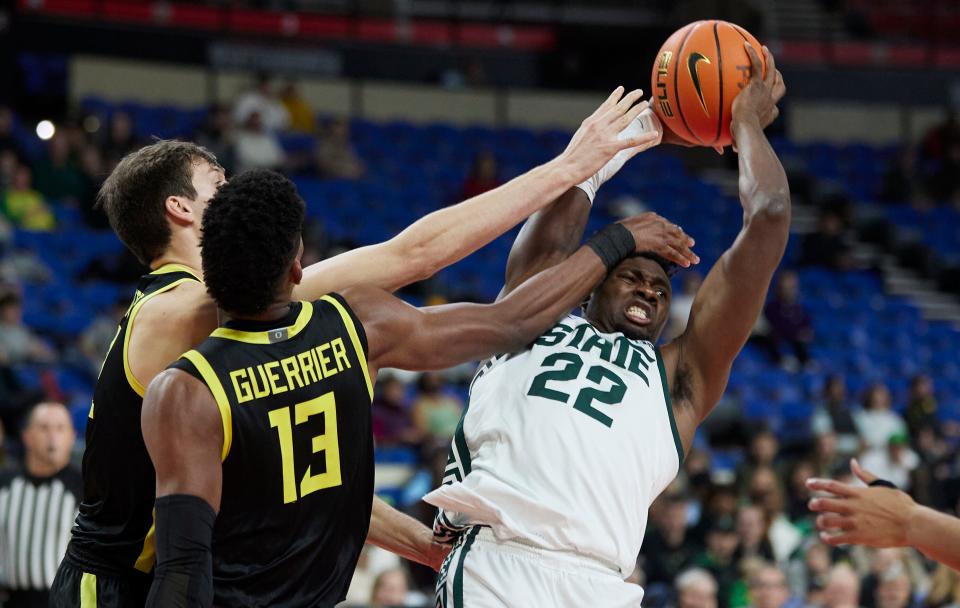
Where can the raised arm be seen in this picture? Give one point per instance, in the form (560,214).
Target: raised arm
(554,232)
(411,338)
(731,298)
(184,435)
(446,236)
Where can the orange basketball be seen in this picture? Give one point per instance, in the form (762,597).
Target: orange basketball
(698,72)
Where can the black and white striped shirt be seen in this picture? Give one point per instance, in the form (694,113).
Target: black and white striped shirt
(36,514)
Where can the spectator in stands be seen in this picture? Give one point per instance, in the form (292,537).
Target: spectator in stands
(91,165)
(895,463)
(809,575)
(696,588)
(668,544)
(436,413)
(482,176)
(877,422)
(752,530)
(262,100)
(768,587)
(96,338)
(899,181)
(682,303)
(789,323)
(829,246)
(798,494)
(17,343)
(8,167)
(940,150)
(301,115)
(719,558)
(120,139)
(256,146)
(390,589)
(766,491)
(336,158)
(217,135)
(843,588)
(24,206)
(826,457)
(893,590)
(835,415)
(8,142)
(57,176)
(944,588)
(391,417)
(921,406)
(38,503)
(764,447)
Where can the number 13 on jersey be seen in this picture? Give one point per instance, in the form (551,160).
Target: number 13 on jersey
(326,406)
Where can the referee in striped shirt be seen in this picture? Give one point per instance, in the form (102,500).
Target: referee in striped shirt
(38,503)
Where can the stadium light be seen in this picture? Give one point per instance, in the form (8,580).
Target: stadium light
(45,130)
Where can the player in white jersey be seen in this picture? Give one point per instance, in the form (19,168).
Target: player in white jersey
(565,445)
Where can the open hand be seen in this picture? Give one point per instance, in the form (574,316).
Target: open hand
(597,140)
(758,100)
(656,234)
(875,517)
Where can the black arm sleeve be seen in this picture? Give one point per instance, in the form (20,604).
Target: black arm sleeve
(184,573)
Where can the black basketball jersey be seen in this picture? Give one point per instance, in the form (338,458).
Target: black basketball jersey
(294,396)
(114,529)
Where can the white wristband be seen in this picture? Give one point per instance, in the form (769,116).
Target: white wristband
(646,122)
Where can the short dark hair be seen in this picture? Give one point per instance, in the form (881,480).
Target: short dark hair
(251,233)
(133,195)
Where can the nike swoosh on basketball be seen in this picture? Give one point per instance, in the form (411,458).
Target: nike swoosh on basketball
(693,62)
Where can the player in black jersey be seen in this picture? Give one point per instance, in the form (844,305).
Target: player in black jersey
(268,421)
(155,200)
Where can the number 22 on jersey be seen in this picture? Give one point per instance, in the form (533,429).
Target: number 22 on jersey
(325,405)
(567,367)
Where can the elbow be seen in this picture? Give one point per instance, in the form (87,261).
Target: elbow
(770,209)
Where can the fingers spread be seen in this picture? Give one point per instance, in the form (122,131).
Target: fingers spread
(830,505)
(832,521)
(833,487)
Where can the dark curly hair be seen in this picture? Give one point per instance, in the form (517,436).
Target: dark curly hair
(251,234)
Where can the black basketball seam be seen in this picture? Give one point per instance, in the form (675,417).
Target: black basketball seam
(716,38)
(737,29)
(676,83)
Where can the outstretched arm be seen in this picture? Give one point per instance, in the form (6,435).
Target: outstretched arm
(184,436)
(448,235)
(883,517)
(555,232)
(731,298)
(402,336)
(403,535)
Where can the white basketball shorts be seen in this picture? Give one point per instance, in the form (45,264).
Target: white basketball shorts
(483,572)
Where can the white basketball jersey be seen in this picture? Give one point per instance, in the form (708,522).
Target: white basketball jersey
(565,445)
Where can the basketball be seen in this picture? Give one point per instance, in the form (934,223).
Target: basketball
(697,73)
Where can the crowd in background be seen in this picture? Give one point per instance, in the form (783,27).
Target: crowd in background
(719,537)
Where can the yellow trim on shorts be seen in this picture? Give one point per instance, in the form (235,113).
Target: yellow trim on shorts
(354,338)
(131,379)
(223,404)
(266,337)
(88,590)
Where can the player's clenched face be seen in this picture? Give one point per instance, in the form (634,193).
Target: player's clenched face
(633,299)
